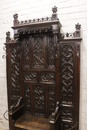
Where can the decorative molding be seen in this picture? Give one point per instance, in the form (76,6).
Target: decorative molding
(34,30)
(38,20)
(76,34)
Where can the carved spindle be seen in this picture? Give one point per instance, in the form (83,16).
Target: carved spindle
(8,38)
(77,32)
(54,15)
(15,22)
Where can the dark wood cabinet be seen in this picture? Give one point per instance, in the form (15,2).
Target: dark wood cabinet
(43,69)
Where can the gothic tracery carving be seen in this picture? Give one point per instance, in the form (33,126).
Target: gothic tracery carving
(27,98)
(67,73)
(15,85)
(48,77)
(38,51)
(31,76)
(39,98)
(51,52)
(26,52)
(52,99)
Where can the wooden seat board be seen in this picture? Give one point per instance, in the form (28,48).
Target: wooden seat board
(29,122)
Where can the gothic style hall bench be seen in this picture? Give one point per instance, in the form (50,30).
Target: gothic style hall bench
(43,68)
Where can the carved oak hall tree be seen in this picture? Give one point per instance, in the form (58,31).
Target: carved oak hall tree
(43,69)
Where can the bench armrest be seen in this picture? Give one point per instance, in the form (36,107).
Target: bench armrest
(55,115)
(16,111)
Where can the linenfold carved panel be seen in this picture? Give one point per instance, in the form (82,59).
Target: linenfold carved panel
(67,74)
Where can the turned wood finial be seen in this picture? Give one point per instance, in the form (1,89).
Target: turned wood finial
(78,26)
(54,9)
(15,16)
(54,15)
(77,32)
(8,38)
